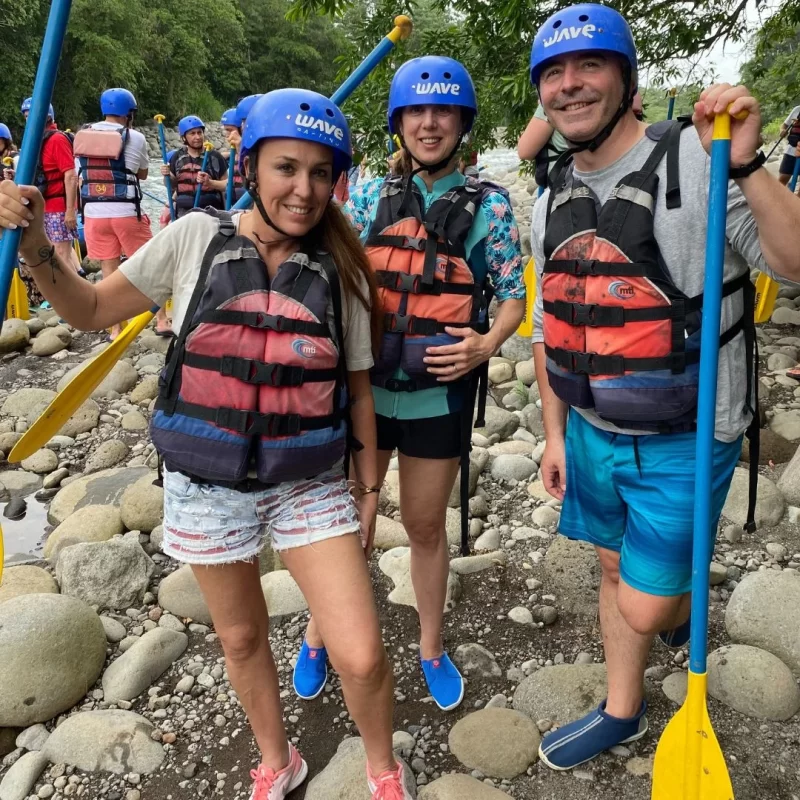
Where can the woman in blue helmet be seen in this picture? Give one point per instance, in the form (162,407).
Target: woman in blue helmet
(233,136)
(267,388)
(7,149)
(435,329)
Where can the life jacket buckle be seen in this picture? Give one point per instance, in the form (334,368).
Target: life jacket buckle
(589,314)
(413,243)
(397,385)
(400,324)
(233,420)
(585,266)
(406,283)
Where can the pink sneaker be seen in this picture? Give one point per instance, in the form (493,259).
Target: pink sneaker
(388,785)
(271,785)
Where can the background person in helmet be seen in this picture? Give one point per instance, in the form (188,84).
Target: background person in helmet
(422,384)
(790,128)
(243,109)
(185,169)
(620,434)
(269,284)
(114,224)
(234,139)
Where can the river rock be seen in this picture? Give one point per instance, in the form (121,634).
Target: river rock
(787,423)
(517,348)
(514,467)
(769,507)
(344,776)
(53,649)
(477,463)
(674,687)
(107,455)
(389,533)
(50,341)
(476,660)
(138,668)
(27,403)
(179,593)
(499,422)
(513,447)
(763,612)
(41,462)
(500,370)
(488,540)
(753,682)
(396,564)
(146,390)
(142,504)
(100,488)
(785,316)
(468,565)
(497,741)
(772,448)
(282,594)
(778,361)
(573,573)
(460,787)
(115,630)
(26,579)
(87,524)
(789,482)
(562,693)
(33,738)
(115,741)
(85,419)
(19,482)
(112,574)
(121,379)
(525,371)
(8,440)
(133,421)
(14,336)
(21,777)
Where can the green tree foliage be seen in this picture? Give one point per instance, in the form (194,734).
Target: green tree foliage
(177,57)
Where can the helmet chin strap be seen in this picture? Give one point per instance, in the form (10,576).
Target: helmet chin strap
(252,190)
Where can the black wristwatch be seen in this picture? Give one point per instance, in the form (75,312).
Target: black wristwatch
(748,169)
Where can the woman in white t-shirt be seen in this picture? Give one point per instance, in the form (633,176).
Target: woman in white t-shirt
(272,360)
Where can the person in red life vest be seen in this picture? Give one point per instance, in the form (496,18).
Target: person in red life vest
(791,130)
(619,242)
(7,149)
(58,182)
(234,138)
(437,242)
(111,158)
(266,391)
(185,168)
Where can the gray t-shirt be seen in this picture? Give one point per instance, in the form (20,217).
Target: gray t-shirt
(681,235)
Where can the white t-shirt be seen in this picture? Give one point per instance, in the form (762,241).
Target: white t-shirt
(136,158)
(169,266)
(790,149)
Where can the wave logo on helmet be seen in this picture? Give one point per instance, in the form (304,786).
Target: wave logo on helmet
(436,87)
(304,348)
(314,124)
(572,32)
(621,290)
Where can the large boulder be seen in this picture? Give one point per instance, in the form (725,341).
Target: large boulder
(87,524)
(116,741)
(42,462)
(573,573)
(51,341)
(787,423)
(500,422)
(27,403)
(517,348)
(20,482)
(753,682)
(769,507)
(460,787)
(179,593)
(120,380)
(282,594)
(85,419)
(14,336)
(26,579)
(396,564)
(789,482)
(112,574)
(53,649)
(497,741)
(763,611)
(101,488)
(562,693)
(389,533)
(138,667)
(107,455)
(142,504)
(772,448)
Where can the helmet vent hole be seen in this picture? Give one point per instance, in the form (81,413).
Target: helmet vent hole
(305,107)
(425,75)
(329,112)
(557,23)
(447,75)
(583,18)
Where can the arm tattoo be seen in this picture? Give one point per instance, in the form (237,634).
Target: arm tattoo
(48,254)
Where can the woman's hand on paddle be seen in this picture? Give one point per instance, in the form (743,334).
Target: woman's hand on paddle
(22,207)
(453,361)
(367,514)
(745,132)
(204,179)
(554,468)
(165,170)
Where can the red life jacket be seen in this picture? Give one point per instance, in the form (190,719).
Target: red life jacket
(424,281)
(794,133)
(187,168)
(257,378)
(620,337)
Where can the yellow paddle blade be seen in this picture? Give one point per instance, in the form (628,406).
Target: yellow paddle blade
(766,292)
(69,399)
(17,306)
(526,326)
(689,764)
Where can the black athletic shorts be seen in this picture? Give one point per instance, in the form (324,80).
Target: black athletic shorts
(434,437)
(787,164)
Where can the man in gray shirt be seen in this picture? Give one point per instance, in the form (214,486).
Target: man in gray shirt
(619,252)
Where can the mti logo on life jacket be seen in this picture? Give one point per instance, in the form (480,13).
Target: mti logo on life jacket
(314,124)
(100,188)
(621,290)
(437,88)
(304,348)
(572,32)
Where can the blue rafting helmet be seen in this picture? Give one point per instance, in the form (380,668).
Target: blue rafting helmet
(117,102)
(26,106)
(579,28)
(5,133)
(244,107)
(229,118)
(432,80)
(189,124)
(299,114)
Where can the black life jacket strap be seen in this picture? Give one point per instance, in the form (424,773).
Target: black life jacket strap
(250,370)
(594,315)
(405,243)
(592,266)
(418,326)
(579,362)
(264,321)
(412,284)
(754,429)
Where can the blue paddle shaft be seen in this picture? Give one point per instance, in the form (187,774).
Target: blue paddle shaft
(200,185)
(795,173)
(670,107)
(34,130)
(355,79)
(167,181)
(229,187)
(707,400)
